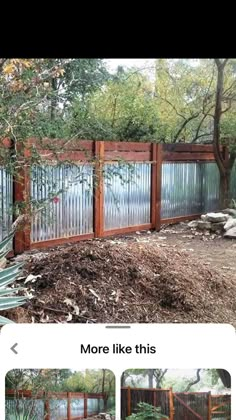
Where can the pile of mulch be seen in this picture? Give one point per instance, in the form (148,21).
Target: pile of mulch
(110,281)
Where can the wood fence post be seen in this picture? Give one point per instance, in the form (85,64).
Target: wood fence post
(21,198)
(128,401)
(209,406)
(171,404)
(158,193)
(154,398)
(154,185)
(99,190)
(68,406)
(85,406)
(46,408)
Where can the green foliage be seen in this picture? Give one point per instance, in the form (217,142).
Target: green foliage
(24,412)
(122,109)
(147,412)
(65,380)
(8,300)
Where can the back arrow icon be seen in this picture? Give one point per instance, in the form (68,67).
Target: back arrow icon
(13,348)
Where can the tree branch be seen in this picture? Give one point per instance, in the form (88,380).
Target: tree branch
(198,378)
(184,125)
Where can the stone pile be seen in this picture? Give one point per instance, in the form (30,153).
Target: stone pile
(221,223)
(105,416)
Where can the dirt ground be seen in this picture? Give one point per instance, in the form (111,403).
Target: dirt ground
(175,275)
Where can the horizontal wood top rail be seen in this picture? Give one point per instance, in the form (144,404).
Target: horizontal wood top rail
(128,155)
(186,147)
(146,389)
(58,395)
(187,156)
(127,146)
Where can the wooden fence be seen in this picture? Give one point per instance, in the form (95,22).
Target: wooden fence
(98,155)
(178,405)
(46,412)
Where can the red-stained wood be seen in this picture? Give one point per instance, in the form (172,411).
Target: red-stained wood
(171,404)
(127,146)
(180,147)
(128,401)
(148,389)
(85,405)
(158,186)
(154,186)
(73,156)
(154,399)
(187,156)
(62,144)
(46,408)
(59,395)
(188,408)
(59,241)
(128,229)
(128,156)
(21,196)
(99,190)
(69,406)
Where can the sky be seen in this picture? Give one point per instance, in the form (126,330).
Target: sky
(112,63)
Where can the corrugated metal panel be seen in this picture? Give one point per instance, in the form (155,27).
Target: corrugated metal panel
(19,408)
(189,188)
(210,186)
(127,195)
(233,182)
(6,202)
(181,189)
(72,213)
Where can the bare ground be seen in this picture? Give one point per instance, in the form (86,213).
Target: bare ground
(176,275)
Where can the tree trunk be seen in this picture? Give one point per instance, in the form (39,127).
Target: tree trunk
(150,378)
(225,196)
(123,378)
(222,164)
(54,99)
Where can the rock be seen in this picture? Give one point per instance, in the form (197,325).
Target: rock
(231,212)
(231,222)
(204,217)
(219,226)
(231,233)
(193,224)
(217,217)
(203,225)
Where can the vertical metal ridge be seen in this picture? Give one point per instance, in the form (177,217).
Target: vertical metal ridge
(189,188)
(6,202)
(71,212)
(127,194)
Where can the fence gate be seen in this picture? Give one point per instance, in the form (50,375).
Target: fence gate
(221,407)
(191,406)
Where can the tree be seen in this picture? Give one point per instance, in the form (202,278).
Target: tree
(194,382)
(154,377)
(183,100)
(122,109)
(225,165)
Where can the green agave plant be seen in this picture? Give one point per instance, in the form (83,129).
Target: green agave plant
(8,298)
